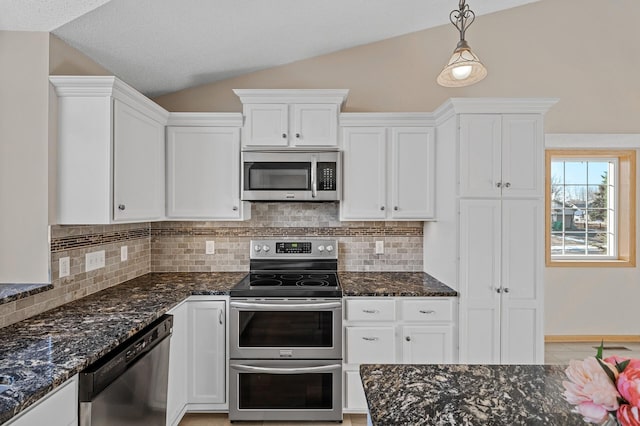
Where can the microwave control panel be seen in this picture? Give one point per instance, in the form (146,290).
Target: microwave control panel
(327,177)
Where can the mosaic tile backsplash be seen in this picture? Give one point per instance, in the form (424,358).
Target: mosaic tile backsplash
(180,247)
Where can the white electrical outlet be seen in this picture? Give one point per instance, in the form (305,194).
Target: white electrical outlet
(124,253)
(210,248)
(379,247)
(94,260)
(65,267)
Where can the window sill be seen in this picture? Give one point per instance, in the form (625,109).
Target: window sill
(621,263)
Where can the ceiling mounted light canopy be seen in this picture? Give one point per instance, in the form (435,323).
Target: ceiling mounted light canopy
(464,68)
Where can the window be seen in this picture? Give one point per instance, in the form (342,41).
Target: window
(590,207)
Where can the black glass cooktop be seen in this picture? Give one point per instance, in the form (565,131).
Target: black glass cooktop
(288,284)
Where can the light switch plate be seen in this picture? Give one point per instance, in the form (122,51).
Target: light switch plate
(210,247)
(124,253)
(94,260)
(379,247)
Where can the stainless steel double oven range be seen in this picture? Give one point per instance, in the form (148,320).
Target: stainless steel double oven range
(285,343)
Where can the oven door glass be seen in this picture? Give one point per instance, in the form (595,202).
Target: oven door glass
(269,176)
(294,391)
(285,329)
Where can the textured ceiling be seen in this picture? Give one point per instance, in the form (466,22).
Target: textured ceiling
(42,15)
(161,46)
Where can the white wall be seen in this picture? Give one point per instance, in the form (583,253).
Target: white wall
(592,301)
(24,146)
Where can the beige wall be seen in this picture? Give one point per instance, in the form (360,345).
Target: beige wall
(65,60)
(24,152)
(577,50)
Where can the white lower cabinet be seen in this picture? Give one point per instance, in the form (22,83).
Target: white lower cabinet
(59,408)
(395,330)
(197,361)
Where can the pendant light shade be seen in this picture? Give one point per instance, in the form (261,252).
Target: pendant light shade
(464,68)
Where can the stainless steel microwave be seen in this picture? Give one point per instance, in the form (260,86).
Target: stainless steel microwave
(273,175)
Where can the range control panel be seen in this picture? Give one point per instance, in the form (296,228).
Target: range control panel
(276,249)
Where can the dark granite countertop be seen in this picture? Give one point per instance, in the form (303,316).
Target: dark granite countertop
(11,292)
(418,284)
(42,352)
(467,395)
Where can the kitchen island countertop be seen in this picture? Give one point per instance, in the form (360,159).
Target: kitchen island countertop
(467,395)
(418,284)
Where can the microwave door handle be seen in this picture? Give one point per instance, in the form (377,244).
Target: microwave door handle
(253,369)
(286,307)
(314,176)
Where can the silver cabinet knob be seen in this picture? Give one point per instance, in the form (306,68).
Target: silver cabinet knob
(498,290)
(499,185)
(235,208)
(507,185)
(408,338)
(121,207)
(396,208)
(298,135)
(506,289)
(381,207)
(284,136)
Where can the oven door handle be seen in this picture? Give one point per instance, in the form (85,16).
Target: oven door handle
(314,176)
(286,307)
(271,370)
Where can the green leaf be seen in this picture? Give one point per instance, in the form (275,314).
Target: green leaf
(600,349)
(607,370)
(621,366)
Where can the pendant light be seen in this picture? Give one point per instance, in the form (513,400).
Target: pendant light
(464,68)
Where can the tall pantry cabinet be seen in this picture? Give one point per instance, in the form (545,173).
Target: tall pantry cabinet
(494,191)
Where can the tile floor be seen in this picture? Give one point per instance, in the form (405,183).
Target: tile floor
(555,353)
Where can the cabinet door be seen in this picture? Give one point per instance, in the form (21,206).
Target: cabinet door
(431,344)
(364,183)
(315,125)
(522,156)
(203,172)
(370,345)
(354,391)
(177,390)
(266,125)
(522,269)
(412,173)
(480,152)
(138,152)
(206,346)
(480,281)
(58,408)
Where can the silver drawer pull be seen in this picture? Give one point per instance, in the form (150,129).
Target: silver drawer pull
(429,312)
(370,311)
(370,339)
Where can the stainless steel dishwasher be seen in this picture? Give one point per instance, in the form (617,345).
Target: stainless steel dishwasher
(128,386)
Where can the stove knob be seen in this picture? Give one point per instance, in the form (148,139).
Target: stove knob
(265,248)
(329,249)
(257,248)
(320,249)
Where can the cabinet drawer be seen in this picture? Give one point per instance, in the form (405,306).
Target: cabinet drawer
(371,310)
(59,408)
(427,310)
(370,345)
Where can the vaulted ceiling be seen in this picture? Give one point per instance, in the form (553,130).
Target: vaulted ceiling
(161,46)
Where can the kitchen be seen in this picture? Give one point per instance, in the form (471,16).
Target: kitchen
(611,111)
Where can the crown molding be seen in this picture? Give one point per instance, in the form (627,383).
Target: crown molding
(309,96)
(495,106)
(103,86)
(386,119)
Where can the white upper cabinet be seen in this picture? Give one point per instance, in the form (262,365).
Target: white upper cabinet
(290,118)
(110,150)
(389,168)
(203,167)
(501,155)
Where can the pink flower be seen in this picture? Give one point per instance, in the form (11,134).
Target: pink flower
(629,385)
(615,359)
(628,415)
(590,389)
(592,413)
